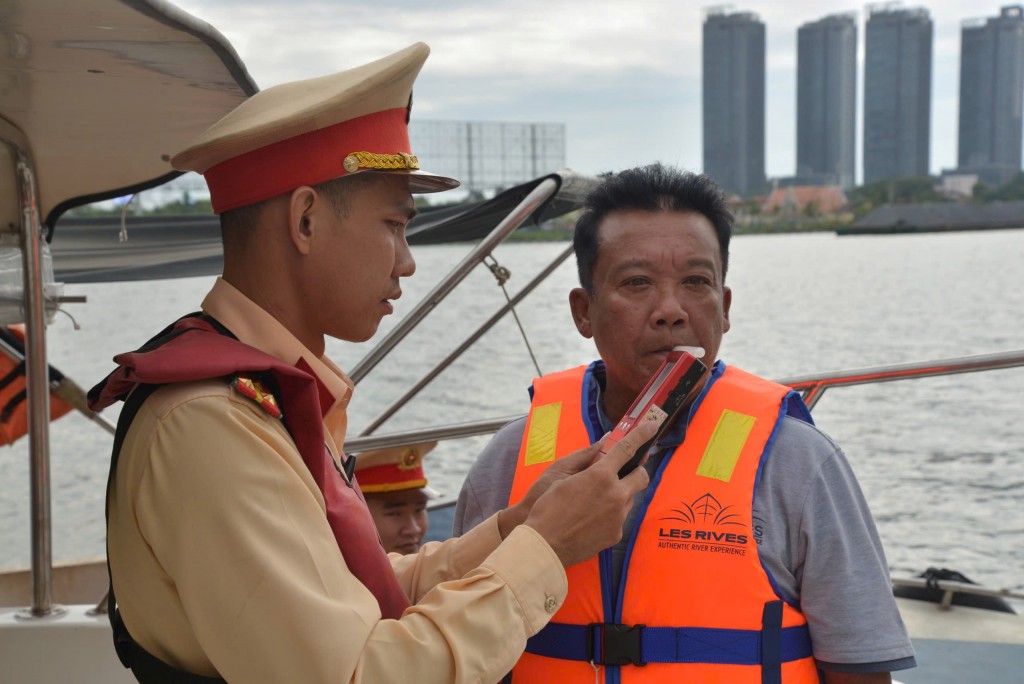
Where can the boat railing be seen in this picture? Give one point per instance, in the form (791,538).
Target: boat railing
(467,343)
(526,208)
(812,388)
(565,185)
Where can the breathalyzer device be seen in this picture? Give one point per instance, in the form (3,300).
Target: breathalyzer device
(664,395)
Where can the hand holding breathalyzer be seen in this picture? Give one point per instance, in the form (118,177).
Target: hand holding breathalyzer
(580,510)
(661,400)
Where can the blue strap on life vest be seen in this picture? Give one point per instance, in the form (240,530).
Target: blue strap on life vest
(674,644)
(771,643)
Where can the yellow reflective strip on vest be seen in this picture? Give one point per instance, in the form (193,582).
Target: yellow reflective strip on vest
(725,445)
(540,443)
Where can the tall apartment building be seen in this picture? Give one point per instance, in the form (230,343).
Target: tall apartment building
(733,95)
(991,95)
(897,92)
(826,100)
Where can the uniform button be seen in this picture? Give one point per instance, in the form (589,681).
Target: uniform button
(550,604)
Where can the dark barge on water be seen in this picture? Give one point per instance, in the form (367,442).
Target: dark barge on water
(937,217)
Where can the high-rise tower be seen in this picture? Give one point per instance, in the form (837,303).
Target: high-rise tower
(733,89)
(897,92)
(991,95)
(826,99)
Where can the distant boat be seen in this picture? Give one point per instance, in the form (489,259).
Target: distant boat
(937,217)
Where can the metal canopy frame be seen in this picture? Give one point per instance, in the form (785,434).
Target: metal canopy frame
(36,374)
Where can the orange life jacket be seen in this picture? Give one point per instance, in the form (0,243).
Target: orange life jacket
(13,391)
(695,603)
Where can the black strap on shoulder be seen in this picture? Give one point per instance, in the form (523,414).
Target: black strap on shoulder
(146,667)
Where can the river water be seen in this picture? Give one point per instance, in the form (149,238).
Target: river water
(941,460)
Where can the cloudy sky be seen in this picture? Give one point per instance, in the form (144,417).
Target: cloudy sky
(625,76)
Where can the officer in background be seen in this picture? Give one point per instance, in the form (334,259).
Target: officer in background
(396,491)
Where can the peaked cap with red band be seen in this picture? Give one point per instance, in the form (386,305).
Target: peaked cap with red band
(312,131)
(394,469)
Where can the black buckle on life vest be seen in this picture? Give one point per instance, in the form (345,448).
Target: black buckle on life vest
(613,644)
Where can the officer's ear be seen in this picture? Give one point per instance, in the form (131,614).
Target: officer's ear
(302,217)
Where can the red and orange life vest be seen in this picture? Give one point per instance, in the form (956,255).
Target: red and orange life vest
(197,348)
(694,604)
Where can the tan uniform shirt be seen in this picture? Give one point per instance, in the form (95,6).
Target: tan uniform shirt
(224,562)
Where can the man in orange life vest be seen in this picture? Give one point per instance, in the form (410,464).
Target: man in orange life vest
(239,543)
(752,557)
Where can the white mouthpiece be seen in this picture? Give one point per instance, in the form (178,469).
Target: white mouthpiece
(695,352)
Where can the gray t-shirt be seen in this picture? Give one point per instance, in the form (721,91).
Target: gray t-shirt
(814,531)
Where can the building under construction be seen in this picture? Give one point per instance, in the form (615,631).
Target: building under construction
(487,156)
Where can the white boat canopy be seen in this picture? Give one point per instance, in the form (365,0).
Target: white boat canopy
(100,93)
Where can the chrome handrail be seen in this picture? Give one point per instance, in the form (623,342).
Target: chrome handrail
(813,386)
(533,201)
(467,343)
(357,445)
(37,378)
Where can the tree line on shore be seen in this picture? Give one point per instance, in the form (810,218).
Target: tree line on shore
(751,219)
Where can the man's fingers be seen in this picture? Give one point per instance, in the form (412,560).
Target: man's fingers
(628,445)
(637,478)
(580,460)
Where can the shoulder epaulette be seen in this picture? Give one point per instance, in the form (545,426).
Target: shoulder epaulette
(251,388)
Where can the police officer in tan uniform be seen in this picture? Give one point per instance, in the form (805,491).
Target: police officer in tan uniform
(239,545)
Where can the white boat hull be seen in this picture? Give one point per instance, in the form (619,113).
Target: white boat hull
(962,644)
(73,647)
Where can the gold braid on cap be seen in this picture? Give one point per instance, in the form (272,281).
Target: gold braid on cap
(371,160)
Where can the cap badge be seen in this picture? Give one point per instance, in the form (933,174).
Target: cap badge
(371,160)
(409,459)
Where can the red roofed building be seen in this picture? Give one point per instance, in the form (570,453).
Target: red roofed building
(804,200)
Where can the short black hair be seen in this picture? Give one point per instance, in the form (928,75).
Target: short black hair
(235,224)
(653,188)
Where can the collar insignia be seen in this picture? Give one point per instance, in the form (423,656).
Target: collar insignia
(252,389)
